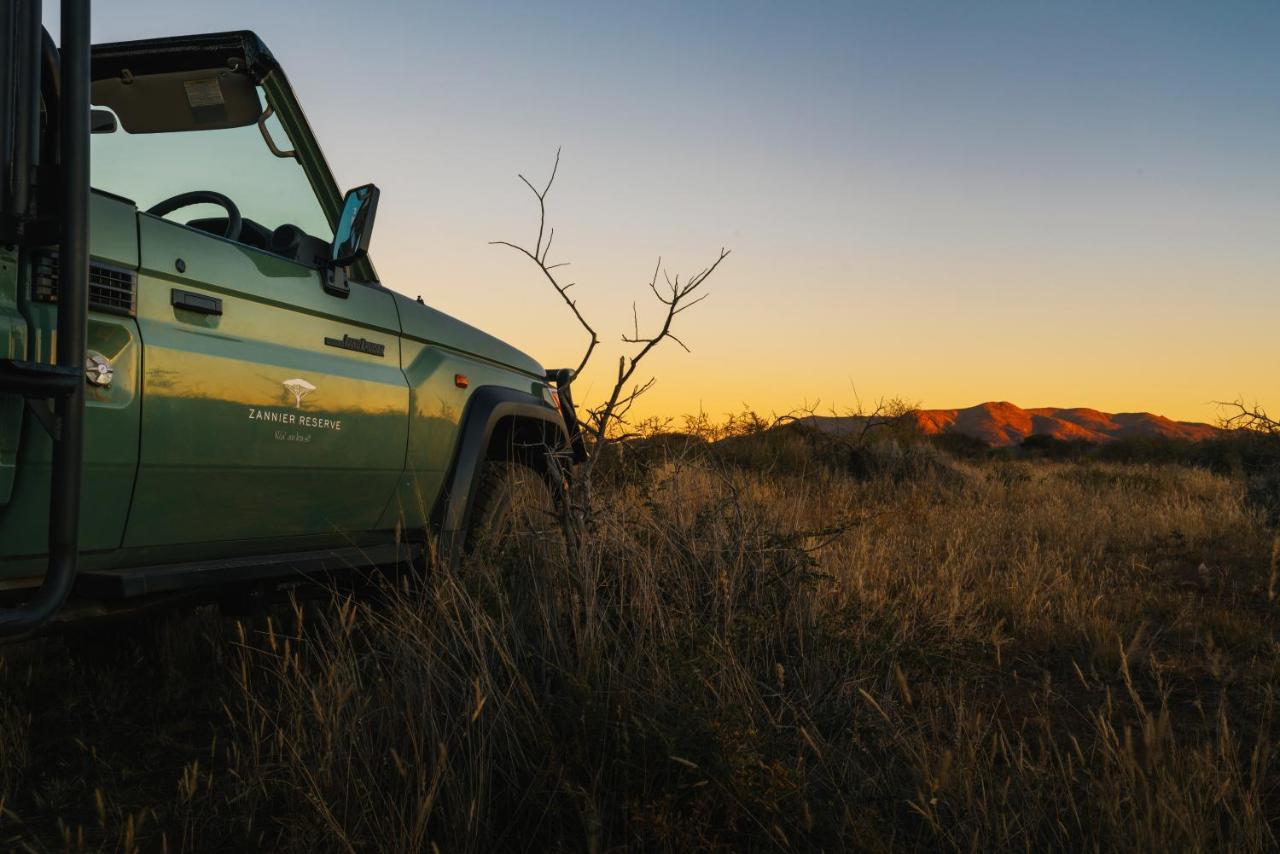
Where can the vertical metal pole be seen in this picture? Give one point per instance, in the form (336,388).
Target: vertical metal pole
(26,129)
(73,280)
(68,449)
(7,66)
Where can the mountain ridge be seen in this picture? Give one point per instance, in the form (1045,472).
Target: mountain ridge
(1001,423)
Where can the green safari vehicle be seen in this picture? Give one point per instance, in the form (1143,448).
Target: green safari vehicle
(204,386)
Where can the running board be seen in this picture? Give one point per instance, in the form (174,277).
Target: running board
(171,578)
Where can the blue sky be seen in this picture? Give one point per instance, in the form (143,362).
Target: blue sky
(1054,204)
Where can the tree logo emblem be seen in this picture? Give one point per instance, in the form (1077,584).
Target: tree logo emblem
(299,388)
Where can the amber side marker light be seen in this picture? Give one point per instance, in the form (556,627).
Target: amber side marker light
(461,381)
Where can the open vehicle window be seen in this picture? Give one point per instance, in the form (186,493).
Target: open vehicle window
(270,192)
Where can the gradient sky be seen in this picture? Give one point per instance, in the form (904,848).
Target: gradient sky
(1067,204)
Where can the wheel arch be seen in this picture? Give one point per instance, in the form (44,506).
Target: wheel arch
(497,423)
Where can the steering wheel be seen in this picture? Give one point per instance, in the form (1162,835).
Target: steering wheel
(200,197)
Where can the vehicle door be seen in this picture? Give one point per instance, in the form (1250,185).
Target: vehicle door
(254,423)
(272,408)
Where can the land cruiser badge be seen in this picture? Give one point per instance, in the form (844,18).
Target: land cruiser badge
(357,345)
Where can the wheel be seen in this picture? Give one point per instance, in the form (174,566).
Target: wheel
(515,513)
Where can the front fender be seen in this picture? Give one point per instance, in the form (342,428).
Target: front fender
(487,408)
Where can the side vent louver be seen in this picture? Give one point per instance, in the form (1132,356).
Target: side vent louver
(111,289)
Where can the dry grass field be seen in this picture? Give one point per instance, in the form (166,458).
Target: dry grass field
(929,653)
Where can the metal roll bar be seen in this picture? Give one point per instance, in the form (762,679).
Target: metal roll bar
(62,382)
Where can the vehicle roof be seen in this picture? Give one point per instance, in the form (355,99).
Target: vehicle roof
(182,53)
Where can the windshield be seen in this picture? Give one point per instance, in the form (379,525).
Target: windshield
(150,167)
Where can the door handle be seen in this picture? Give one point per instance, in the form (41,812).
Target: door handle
(199,303)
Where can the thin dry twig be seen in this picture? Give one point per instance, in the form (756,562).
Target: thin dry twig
(676,296)
(540,253)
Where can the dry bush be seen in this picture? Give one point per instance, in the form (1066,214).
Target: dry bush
(1253,440)
(1026,656)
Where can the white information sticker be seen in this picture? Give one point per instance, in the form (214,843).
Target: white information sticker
(204,93)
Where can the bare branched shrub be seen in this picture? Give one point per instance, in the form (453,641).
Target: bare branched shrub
(1248,418)
(1253,452)
(882,442)
(606,421)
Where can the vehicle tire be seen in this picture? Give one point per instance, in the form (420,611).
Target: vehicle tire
(515,513)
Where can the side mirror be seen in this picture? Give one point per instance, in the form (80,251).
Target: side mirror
(355,226)
(350,238)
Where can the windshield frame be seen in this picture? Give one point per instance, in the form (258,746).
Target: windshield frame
(247,48)
(288,110)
